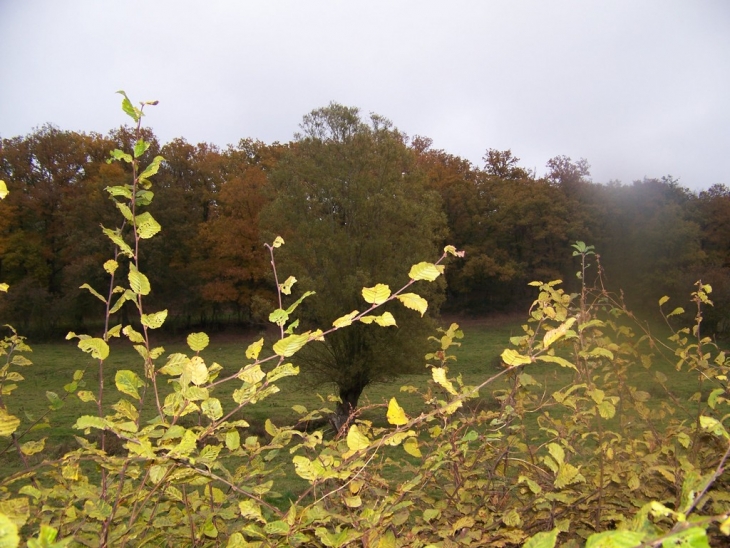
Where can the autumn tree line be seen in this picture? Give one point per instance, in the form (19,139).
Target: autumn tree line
(355,198)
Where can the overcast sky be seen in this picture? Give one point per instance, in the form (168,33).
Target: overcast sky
(638,88)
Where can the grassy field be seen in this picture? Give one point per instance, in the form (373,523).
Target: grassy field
(477,360)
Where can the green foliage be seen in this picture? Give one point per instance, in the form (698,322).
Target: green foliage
(595,461)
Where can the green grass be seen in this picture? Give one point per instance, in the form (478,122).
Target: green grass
(477,360)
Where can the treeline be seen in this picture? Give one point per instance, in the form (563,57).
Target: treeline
(654,236)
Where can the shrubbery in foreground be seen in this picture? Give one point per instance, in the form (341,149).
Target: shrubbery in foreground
(596,462)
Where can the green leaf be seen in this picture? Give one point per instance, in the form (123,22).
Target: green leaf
(155,320)
(151,169)
(56,402)
(289,346)
(129,108)
(128,382)
(425,271)
(414,302)
(356,440)
(377,294)
(714,426)
(146,225)
(254,349)
(615,539)
(250,510)
(138,282)
(98,348)
(115,237)
(140,147)
(278,527)
(212,408)
(126,212)
(281,371)
(287,285)
(542,540)
(233,440)
(198,341)
(606,409)
(396,415)
(93,292)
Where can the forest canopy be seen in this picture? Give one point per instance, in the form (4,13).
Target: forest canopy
(654,236)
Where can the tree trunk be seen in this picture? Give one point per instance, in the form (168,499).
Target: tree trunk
(349,396)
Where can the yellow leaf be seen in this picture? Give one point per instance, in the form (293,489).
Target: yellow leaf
(254,349)
(386,319)
(288,346)
(252,374)
(377,294)
(278,242)
(198,341)
(554,334)
(425,271)
(439,375)
(411,447)
(356,440)
(414,302)
(512,358)
(345,320)
(396,415)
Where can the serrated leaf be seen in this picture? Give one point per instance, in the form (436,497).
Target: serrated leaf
(386,319)
(233,440)
(138,282)
(287,285)
(93,292)
(345,320)
(96,347)
(152,168)
(254,349)
(545,539)
(147,226)
(289,346)
(606,409)
(562,362)
(90,421)
(250,510)
(396,415)
(198,341)
(439,376)
(155,320)
(197,370)
(513,358)
(140,147)
(377,294)
(356,440)
(8,423)
(567,475)
(555,334)
(86,396)
(414,302)
(132,334)
(115,237)
(281,371)
(425,271)
(129,108)
(615,539)
(252,374)
(128,382)
(212,408)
